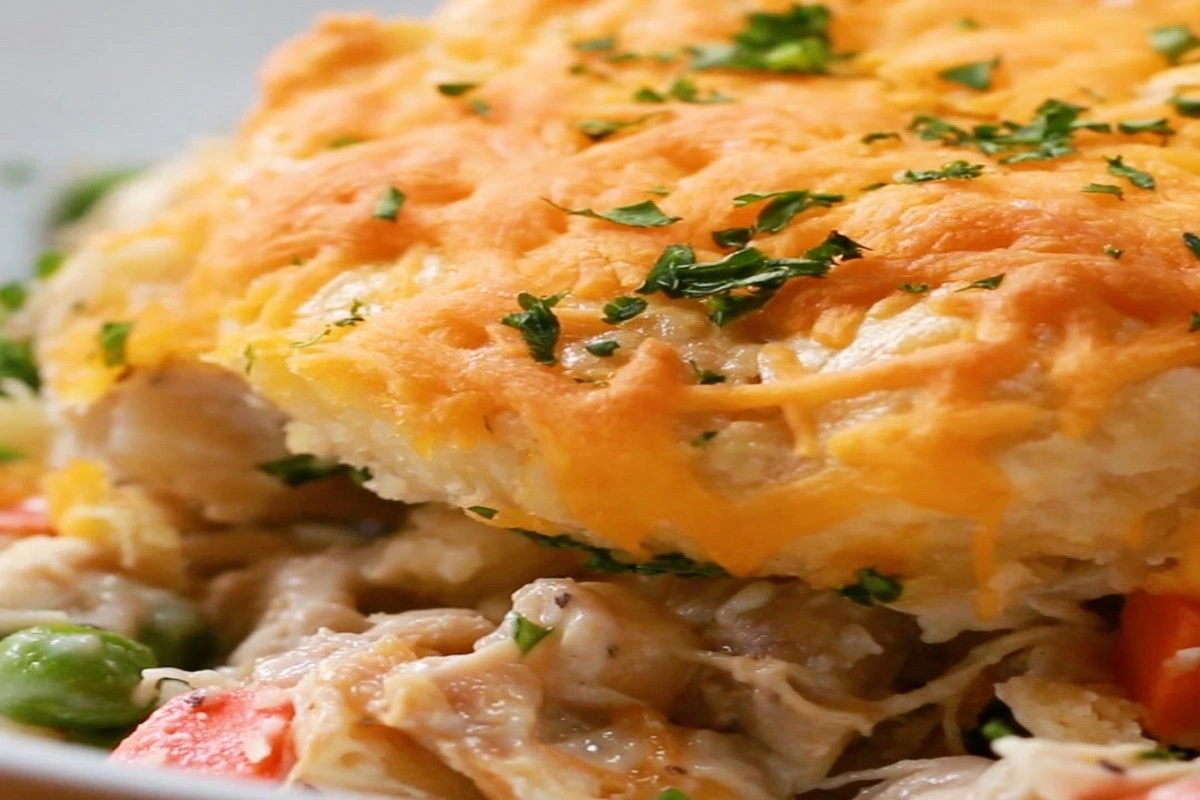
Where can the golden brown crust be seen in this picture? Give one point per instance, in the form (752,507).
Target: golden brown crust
(280,242)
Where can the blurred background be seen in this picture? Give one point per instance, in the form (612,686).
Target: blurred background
(93,85)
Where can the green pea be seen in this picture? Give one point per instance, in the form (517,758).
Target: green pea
(72,677)
(174,629)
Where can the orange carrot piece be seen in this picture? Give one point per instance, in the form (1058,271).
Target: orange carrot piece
(233,733)
(1154,628)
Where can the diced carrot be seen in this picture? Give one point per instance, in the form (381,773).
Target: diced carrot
(235,733)
(25,519)
(1154,628)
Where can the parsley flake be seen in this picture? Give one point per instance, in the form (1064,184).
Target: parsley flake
(479,107)
(597,45)
(389,204)
(648,95)
(483,511)
(17,363)
(872,588)
(82,196)
(703,438)
(953,171)
(250,356)
(795,41)
(538,325)
(344,141)
(1194,325)
(297,470)
(1158,126)
(685,90)
(1112,252)
(1185,106)
(1193,243)
(600,129)
(1173,42)
(1166,754)
(456,89)
(9,455)
(989,283)
(13,296)
(48,263)
(623,309)
(879,136)
(1104,188)
(733,238)
(672,794)
(601,559)
(966,24)
(527,634)
(977,75)
(603,349)
(1118,168)
(113,337)
(743,281)
(639,215)
(914,288)
(707,377)
(784,207)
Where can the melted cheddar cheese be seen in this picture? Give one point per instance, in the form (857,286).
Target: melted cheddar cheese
(940,435)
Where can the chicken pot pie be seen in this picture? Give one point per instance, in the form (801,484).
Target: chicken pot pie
(663,400)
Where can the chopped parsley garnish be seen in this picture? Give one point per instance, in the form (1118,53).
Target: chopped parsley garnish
(914,288)
(995,721)
(1185,106)
(685,91)
(703,438)
(648,95)
(872,588)
(879,136)
(597,45)
(743,281)
(733,238)
(639,215)
(1158,126)
(48,263)
(9,455)
(480,107)
(17,363)
(604,560)
(250,356)
(977,75)
(661,191)
(672,794)
(966,24)
(82,196)
(600,129)
(456,89)
(1104,188)
(483,511)
(1048,135)
(1166,754)
(707,377)
(13,296)
(795,41)
(1112,252)
(527,634)
(1173,41)
(623,309)
(344,141)
(1193,243)
(784,207)
(602,349)
(389,204)
(953,171)
(538,325)
(353,318)
(113,337)
(303,468)
(991,282)
(1118,168)
(1194,324)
